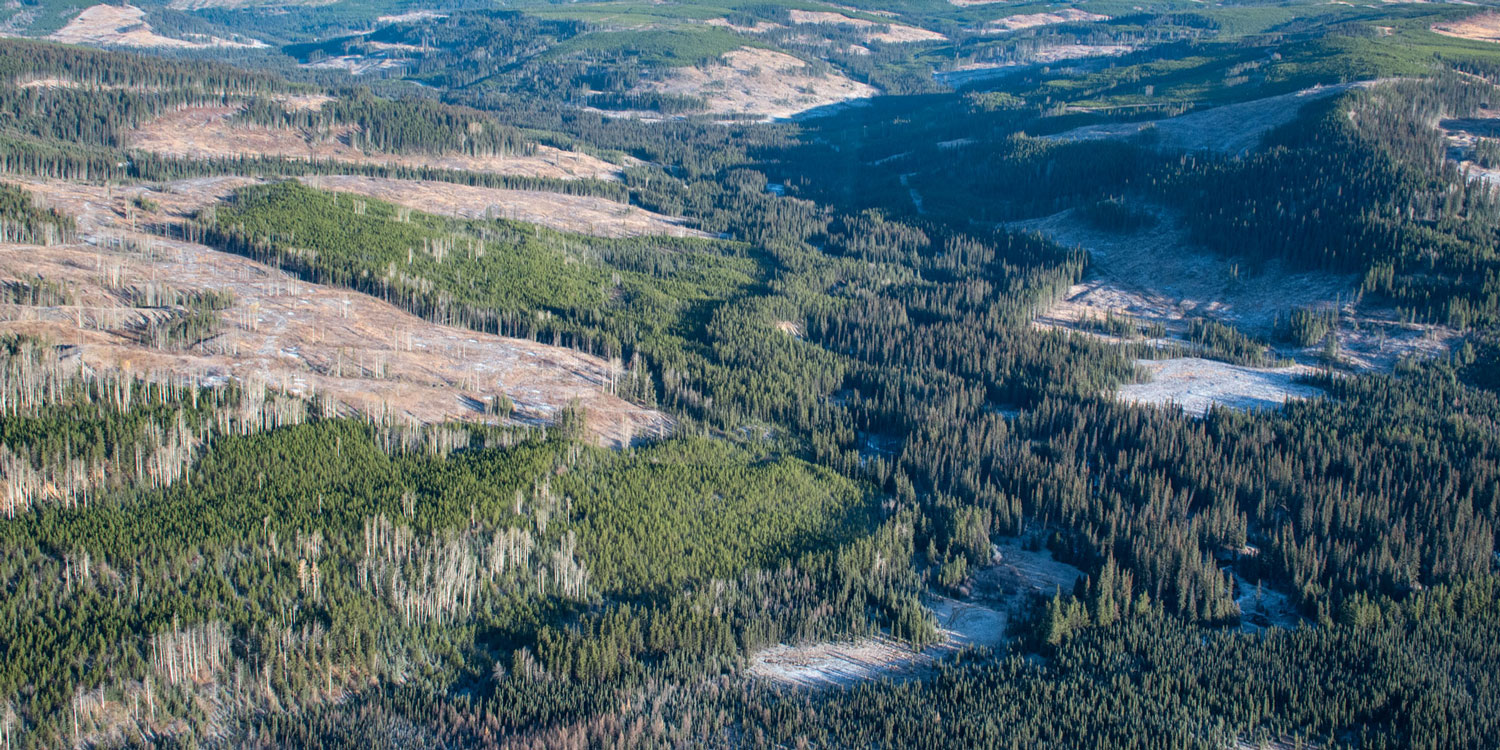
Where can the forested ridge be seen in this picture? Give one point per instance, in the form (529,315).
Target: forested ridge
(865,408)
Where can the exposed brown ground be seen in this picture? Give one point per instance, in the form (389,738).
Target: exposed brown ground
(759,27)
(304,338)
(1484,27)
(761,82)
(1033,20)
(895,33)
(125,26)
(207,132)
(571,213)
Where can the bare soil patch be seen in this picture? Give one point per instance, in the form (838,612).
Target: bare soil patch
(1157,275)
(1195,385)
(571,213)
(893,33)
(1033,20)
(208,133)
(999,593)
(306,339)
(760,27)
(359,64)
(412,16)
(1483,27)
(761,82)
(125,26)
(1264,606)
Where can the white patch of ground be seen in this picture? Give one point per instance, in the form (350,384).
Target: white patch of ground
(1483,27)
(571,213)
(835,663)
(1463,135)
(125,26)
(971,3)
(1033,20)
(760,27)
(363,353)
(1232,129)
(887,32)
(209,133)
(761,82)
(412,17)
(1156,275)
(999,592)
(1263,606)
(1194,385)
(358,64)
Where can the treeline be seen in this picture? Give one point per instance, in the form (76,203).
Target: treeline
(25,61)
(1385,675)
(408,126)
(24,222)
(1362,183)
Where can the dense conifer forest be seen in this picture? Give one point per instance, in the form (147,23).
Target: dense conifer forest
(875,408)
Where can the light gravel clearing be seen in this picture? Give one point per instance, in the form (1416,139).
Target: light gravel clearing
(1195,385)
(997,593)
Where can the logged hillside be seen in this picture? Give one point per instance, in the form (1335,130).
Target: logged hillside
(597,374)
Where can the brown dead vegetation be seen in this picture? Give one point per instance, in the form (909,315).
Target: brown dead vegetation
(761,82)
(209,133)
(1033,20)
(888,32)
(570,213)
(305,339)
(125,26)
(1483,27)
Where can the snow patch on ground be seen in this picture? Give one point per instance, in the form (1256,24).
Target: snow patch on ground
(1195,385)
(997,594)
